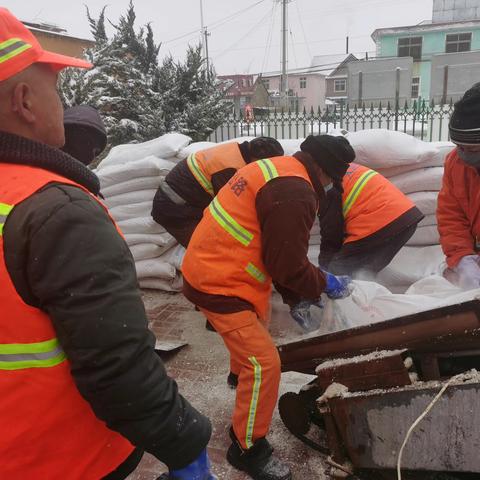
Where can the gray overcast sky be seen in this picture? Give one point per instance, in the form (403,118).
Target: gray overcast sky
(250,41)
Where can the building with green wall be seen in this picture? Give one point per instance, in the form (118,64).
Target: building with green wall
(422,42)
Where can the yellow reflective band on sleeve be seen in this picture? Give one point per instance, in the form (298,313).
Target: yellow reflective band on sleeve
(255,272)
(11,48)
(229,224)
(356,190)
(252,413)
(17,356)
(5,209)
(268,169)
(199,175)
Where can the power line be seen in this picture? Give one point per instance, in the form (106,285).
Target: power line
(303,30)
(215,24)
(232,47)
(269,37)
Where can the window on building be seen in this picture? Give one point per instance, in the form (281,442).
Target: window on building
(415,87)
(266,82)
(340,85)
(303,82)
(458,42)
(410,47)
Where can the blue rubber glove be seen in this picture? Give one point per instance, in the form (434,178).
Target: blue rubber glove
(337,286)
(302,315)
(197,470)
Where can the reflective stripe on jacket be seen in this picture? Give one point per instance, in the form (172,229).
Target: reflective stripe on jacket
(370,202)
(205,163)
(48,429)
(224,256)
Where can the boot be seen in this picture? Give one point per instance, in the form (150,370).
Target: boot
(257,461)
(232,380)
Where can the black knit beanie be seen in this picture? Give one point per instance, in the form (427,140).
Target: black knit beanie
(265,147)
(465,122)
(332,154)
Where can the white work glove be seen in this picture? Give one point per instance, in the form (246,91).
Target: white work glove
(468,270)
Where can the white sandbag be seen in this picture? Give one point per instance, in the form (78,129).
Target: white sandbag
(174,256)
(130,198)
(428,221)
(145,167)
(315,239)
(126,212)
(145,251)
(143,225)
(411,264)
(155,268)
(425,236)
(174,285)
(133,185)
(381,148)
(291,146)
(372,303)
(426,202)
(421,180)
(167,145)
(194,148)
(164,240)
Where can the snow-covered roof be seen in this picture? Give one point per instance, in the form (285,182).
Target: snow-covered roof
(62,34)
(327,64)
(424,27)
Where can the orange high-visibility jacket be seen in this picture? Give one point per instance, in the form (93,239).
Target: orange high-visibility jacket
(370,202)
(48,431)
(458,211)
(205,163)
(224,256)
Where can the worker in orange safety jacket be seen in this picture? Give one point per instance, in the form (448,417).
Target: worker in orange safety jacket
(83,392)
(190,186)
(458,211)
(365,222)
(255,231)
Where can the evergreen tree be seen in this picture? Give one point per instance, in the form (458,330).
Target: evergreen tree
(138,98)
(192,96)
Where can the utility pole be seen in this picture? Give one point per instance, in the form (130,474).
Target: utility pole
(284,78)
(205,36)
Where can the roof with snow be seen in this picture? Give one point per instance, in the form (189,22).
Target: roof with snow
(327,64)
(423,27)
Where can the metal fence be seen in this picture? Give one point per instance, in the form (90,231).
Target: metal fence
(425,121)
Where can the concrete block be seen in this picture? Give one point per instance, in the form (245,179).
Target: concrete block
(472,3)
(464,14)
(442,17)
(448,5)
(460,4)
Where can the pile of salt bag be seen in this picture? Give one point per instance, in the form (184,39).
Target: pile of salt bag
(129,177)
(372,303)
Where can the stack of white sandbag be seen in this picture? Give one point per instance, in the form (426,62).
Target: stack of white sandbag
(129,177)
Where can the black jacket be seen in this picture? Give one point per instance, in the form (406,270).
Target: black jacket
(65,257)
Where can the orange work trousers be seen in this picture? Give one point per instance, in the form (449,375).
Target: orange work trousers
(254,358)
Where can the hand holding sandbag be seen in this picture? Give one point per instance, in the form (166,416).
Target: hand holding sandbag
(302,315)
(338,287)
(468,270)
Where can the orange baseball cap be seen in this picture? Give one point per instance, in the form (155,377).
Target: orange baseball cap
(19,49)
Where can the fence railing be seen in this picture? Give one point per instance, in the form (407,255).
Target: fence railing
(421,119)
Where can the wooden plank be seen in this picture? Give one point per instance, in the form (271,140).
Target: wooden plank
(366,373)
(433,330)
